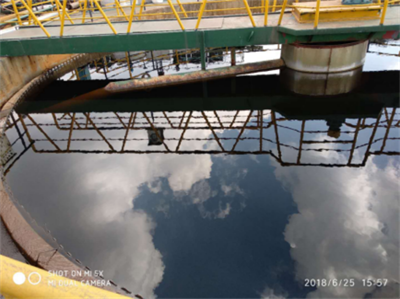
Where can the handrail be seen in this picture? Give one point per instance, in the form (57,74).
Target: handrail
(35,18)
(317,14)
(126,11)
(38,283)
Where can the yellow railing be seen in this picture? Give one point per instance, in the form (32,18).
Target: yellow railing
(20,280)
(125,11)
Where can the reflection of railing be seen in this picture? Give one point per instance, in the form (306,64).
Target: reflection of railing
(126,64)
(265,131)
(9,157)
(125,11)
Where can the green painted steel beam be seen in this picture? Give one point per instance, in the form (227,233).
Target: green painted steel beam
(188,39)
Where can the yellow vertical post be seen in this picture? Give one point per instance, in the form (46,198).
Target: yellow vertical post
(30,6)
(84,11)
(116,7)
(385,5)
(182,9)
(283,11)
(246,4)
(66,13)
(63,18)
(316,19)
(131,16)
(105,16)
(274,6)
(141,9)
(203,6)
(176,14)
(122,11)
(58,10)
(266,8)
(34,17)
(16,12)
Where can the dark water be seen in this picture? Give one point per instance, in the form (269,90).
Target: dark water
(250,198)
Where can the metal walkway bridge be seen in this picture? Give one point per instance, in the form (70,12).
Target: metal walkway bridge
(122,26)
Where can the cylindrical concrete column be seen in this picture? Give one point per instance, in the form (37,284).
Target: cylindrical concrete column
(317,58)
(323,69)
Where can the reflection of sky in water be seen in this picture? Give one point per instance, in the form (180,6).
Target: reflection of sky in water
(222,225)
(219,226)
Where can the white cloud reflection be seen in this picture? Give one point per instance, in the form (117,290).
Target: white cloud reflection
(347,225)
(96,194)
(114,183)
(269,293)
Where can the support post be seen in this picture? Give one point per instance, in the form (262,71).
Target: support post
(141,9)
(274,6)
(34,17)
(283,11)
(133,7)
(105,16)
(63,18)
(385,5)
(128,62)
(246,4)
(203,52)
(59,6)
(233,57)
(266,8)
(353,146)
(301,141)
(16,12)
(84,11)
(182,9)
(317,14)
(176,14)
(203,6)
(389,124)
(122,10)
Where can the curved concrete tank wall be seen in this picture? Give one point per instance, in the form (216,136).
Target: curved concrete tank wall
(21,77)
(16,72)
(325,58)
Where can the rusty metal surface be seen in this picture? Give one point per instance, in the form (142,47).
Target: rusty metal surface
(213,74)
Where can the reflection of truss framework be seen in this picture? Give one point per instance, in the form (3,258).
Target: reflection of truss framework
(265,127)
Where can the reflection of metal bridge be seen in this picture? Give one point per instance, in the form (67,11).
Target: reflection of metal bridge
(263,131)
(122,26)
(378,90)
